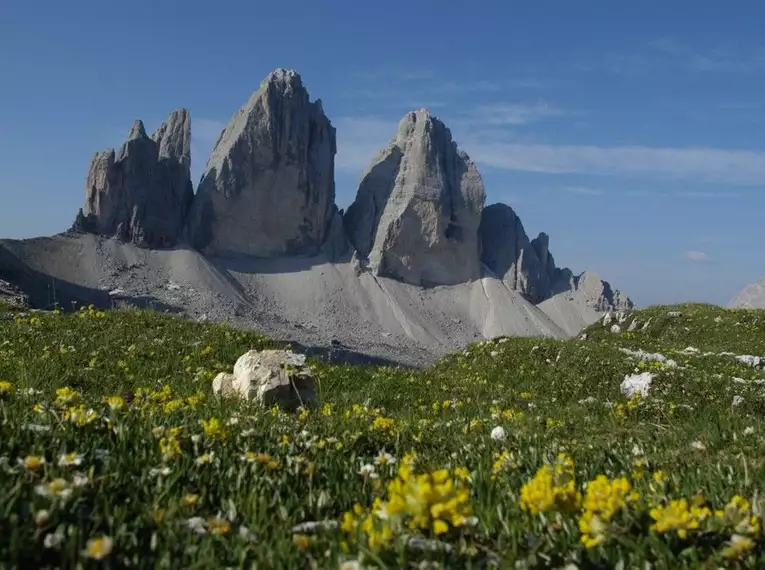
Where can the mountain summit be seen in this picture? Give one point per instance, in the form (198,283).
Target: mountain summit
(418,207)
(268,189)
(142,194)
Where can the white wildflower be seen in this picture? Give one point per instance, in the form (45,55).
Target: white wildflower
(197,524)
(385,459)
(54,539)
(79,480)
(69,459)
(498,434)
(368,470)
(58,488)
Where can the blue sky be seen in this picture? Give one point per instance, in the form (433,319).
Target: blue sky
(631,132)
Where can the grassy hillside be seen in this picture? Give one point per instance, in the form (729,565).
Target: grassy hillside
(397,468)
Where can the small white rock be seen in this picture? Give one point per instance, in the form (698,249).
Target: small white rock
(749,360)
(636,384)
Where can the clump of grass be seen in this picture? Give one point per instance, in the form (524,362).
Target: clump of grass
(518,453)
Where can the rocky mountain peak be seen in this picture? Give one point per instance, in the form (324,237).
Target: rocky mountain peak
(173,138)
(142,194)
(418,207)
(137,131)
(284,79)
(598,293)
(268,189)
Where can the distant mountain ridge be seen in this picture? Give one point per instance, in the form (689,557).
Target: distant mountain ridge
(268,193)
(751,296)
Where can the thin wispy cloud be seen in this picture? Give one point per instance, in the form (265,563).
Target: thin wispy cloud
(424,88)
(583,190)
(743,167)
(505,114)
(668,53)
(359,139)
(726,59)
(695,255)
(706,194)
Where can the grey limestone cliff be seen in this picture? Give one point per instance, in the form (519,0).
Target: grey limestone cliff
(268,189)
(529,267)
(142,193)
(418,206)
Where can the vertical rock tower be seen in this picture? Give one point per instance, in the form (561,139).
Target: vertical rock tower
(418,207)
(143,193)
(268,189)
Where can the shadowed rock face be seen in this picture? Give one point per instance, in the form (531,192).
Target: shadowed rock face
(268,189)
(528,267)
(507,250)
(525,265)
(418,207)
(143,193)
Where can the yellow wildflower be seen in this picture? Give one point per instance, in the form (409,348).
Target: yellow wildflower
(737,547)
(302,541)
(678,516)
(190,499)
(172,406)
(170,448)
(80,416)
(218,526)
(214,428)
(553,487)
(604,498)
(737,515)
(66,395)
(33,462)
(99,548)
(116,403)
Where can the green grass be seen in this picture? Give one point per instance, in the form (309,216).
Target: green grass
(550,397)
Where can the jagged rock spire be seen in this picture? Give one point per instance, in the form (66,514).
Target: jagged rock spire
(268,189)
(418,207)
(142,194)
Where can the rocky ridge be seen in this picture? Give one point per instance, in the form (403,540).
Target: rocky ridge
(416,267)
(527,265)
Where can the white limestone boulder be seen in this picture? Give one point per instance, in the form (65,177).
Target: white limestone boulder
(271,378)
